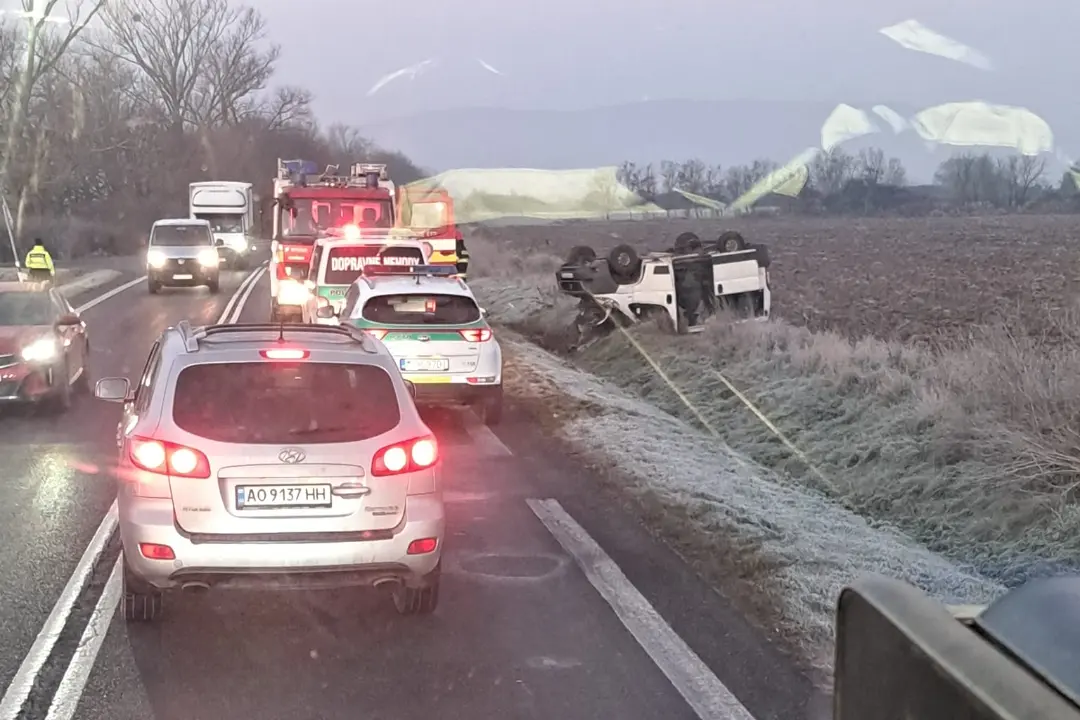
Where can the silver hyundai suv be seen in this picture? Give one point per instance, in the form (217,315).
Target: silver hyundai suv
(275,457)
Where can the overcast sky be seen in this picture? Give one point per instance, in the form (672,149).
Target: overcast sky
(565,54)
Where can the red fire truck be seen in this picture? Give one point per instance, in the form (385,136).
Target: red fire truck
(429,213)
(309,204)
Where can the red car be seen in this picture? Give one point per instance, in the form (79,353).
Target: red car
(44,347)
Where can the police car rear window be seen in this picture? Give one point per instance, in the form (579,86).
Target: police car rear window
(345,263)
(181,235)
(421,309)
(281,403)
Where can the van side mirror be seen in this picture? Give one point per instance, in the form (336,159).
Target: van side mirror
(412,388)
(326,312)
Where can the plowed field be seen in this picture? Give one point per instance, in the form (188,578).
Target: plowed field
(909,279)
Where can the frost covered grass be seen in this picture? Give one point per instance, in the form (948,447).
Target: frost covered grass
(970,448)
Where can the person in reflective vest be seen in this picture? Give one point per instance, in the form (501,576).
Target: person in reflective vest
(40,263)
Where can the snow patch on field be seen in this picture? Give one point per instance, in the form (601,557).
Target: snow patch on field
(815,545)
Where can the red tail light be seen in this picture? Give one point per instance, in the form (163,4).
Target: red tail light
(377,334)
(476,335)
(285,354)
(165,458)
(417,454)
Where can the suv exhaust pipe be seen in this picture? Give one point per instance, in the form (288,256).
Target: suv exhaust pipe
(194,587)
(386,583)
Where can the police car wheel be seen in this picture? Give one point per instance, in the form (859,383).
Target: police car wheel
(491,408)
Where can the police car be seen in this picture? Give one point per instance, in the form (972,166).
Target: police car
(432,325)
(337,262)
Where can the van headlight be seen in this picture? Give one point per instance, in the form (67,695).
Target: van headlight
(208,258)
(155,259)
(43,350)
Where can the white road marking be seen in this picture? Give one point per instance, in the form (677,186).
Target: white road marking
(112,293)
(19,689)
(238,297)
(73,683)
(482,436)
(247,293)
(701,689)
(23,682)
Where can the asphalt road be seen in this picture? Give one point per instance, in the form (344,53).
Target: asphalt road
(554,604)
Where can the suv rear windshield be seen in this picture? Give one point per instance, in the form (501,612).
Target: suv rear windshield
(421,309)
(282,403)
(182,235)
(345,262)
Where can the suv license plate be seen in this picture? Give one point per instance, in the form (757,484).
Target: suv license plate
(567,275)
(282,496)
(425,364)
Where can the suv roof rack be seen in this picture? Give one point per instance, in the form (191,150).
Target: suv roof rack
(192,335)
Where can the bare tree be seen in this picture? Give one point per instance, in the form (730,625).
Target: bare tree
(831,170)
(1020,174)
(236,69)
(895,173)
(173,43)
(348,145)
(691,176)
(870,166)
(669,173)
(43,49)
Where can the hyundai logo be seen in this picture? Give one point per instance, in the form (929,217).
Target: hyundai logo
(292,456)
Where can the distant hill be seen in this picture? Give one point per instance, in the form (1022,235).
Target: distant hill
(727,132)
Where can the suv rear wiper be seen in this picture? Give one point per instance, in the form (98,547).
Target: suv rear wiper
(312,431)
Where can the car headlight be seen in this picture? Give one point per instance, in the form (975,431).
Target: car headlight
(155,259)
(42,350)
(208,258)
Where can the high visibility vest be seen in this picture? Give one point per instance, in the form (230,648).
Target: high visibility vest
(39,259)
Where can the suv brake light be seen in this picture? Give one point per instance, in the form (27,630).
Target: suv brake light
(476,335)
(410,456)
(285,354)
(166,458)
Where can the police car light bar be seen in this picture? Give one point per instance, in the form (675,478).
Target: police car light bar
(409,270)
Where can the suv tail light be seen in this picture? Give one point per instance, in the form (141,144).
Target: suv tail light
(476,335)
(166,458)
(416,454)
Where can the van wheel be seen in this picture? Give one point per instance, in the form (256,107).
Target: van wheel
(139,601)
(153,286)
(624,263)
(419,600)
(214,286)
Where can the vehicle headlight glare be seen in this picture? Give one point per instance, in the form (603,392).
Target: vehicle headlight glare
(208,258)
(155,259)
(41,350)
